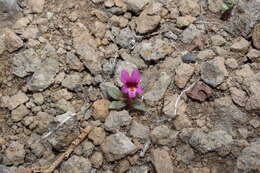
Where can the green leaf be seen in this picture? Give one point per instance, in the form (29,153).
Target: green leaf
(115,93)
(139,106)
(224,7)
(117,105)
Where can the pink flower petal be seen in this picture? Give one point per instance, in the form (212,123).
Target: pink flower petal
(132,93)
(124,89)
(135,76)
(139,89)
(124,77)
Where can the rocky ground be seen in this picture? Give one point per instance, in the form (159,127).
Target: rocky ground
(59,57)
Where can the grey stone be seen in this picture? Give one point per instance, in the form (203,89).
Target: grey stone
(2,44)
(189,58)
(185,154)
(249,161)
(219,141)
(162,135)
(158,89)
(154,49)
(240,45)
(162,161)
(115,120)
(147,23)
(138,169)
(12,41)
(97,159)
(44,122)
(44,76)
(254,55)
(135,5)
(125,38)
(86,47)
(139,130)
(189,34)
(211,73)
(189,7)
(74,62)
(97,135)
(76,164)
(256,35)
(183,21)
(217,40)
(169,106)
(72,82)
(134,59)
(117,146)
(36,6)
(229,115)
(25,63)
(63,137)
(16,100)
(19,113)
(14,154)
(206,54)
(246,15)
(183,74)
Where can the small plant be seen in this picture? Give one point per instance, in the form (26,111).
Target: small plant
(227,5)
(130,92)
(226,9)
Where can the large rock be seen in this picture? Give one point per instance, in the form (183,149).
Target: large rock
(44,76)
(190,33)
(138,130)
(252,84)
(117,146)
(26,62)
(162,161)
(228,115)
(76,164)
(14,154)
(162,135)
(125,38)
(2,44)
(256,35)
(135,5)
(16,100)
(249,159)
(154,49)
(36,6)
(72,81)
(189,7)
(243,21)
(146,22)
(169,106)
(115,120)
(240,45)
(100,109)
(158,89)
(19,113)
(12,41)
(183,74)
(211,73)
(219,141)
(86,47)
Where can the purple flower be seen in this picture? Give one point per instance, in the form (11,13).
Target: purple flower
(132,85)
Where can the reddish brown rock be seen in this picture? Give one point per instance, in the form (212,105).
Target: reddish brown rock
(200,92)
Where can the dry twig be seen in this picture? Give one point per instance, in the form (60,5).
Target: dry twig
(63,156)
